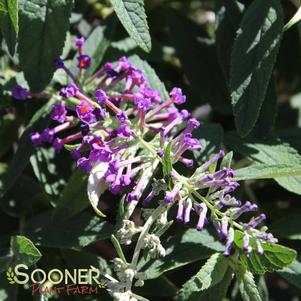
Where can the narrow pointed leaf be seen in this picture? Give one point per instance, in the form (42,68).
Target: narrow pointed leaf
(252,61)
(43,28)
(132,15)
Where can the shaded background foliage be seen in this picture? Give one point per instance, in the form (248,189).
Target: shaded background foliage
(241,74)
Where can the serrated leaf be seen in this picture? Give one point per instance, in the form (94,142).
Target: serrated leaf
(132,15)
(181,249)
(9,23)
(263,289)
(274,258)
(209,275)
(97,185)
(43,28)
(292,273)
(24,251)
(252,60)
(269,152)
(266,171)
(150,75)
(248,288)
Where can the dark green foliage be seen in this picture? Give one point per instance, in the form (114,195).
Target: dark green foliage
(241,74)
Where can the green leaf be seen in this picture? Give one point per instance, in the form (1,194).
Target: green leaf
(13,13)
(46,171)
(248,288)
(274,258)
(25,148)
(209,275)
(98,42)
(228,18)
(132,15)
(267,171)
(252,61)
(24,251)
(292,273)
(295,19)
(262,288)
(217,292)
(118,248)
(211,137)
(268,112)
(227,160)
(150,75)
(181,249)
(74,233)
(197,53)
(9,23)
(288,227)
(269,152)
(166,162)
(74,197)
(43,28)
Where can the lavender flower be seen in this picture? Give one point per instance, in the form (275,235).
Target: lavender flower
(59,64)
(35,138)
(85,112)
(59,112)
(69,91)
(84,61)
(177,96)
(101,96)
(124,125)
(79,42)
(20,93)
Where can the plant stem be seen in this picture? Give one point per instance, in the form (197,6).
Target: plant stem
(144,232)
(190,188)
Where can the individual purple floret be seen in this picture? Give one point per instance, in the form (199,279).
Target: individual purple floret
(177,96)
(79,42)
(84,61)
(69,91)
(85,112)
(59,112)
(59,64)
(20,93)
(36,138)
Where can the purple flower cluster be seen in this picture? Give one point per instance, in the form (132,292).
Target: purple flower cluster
(111,125)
